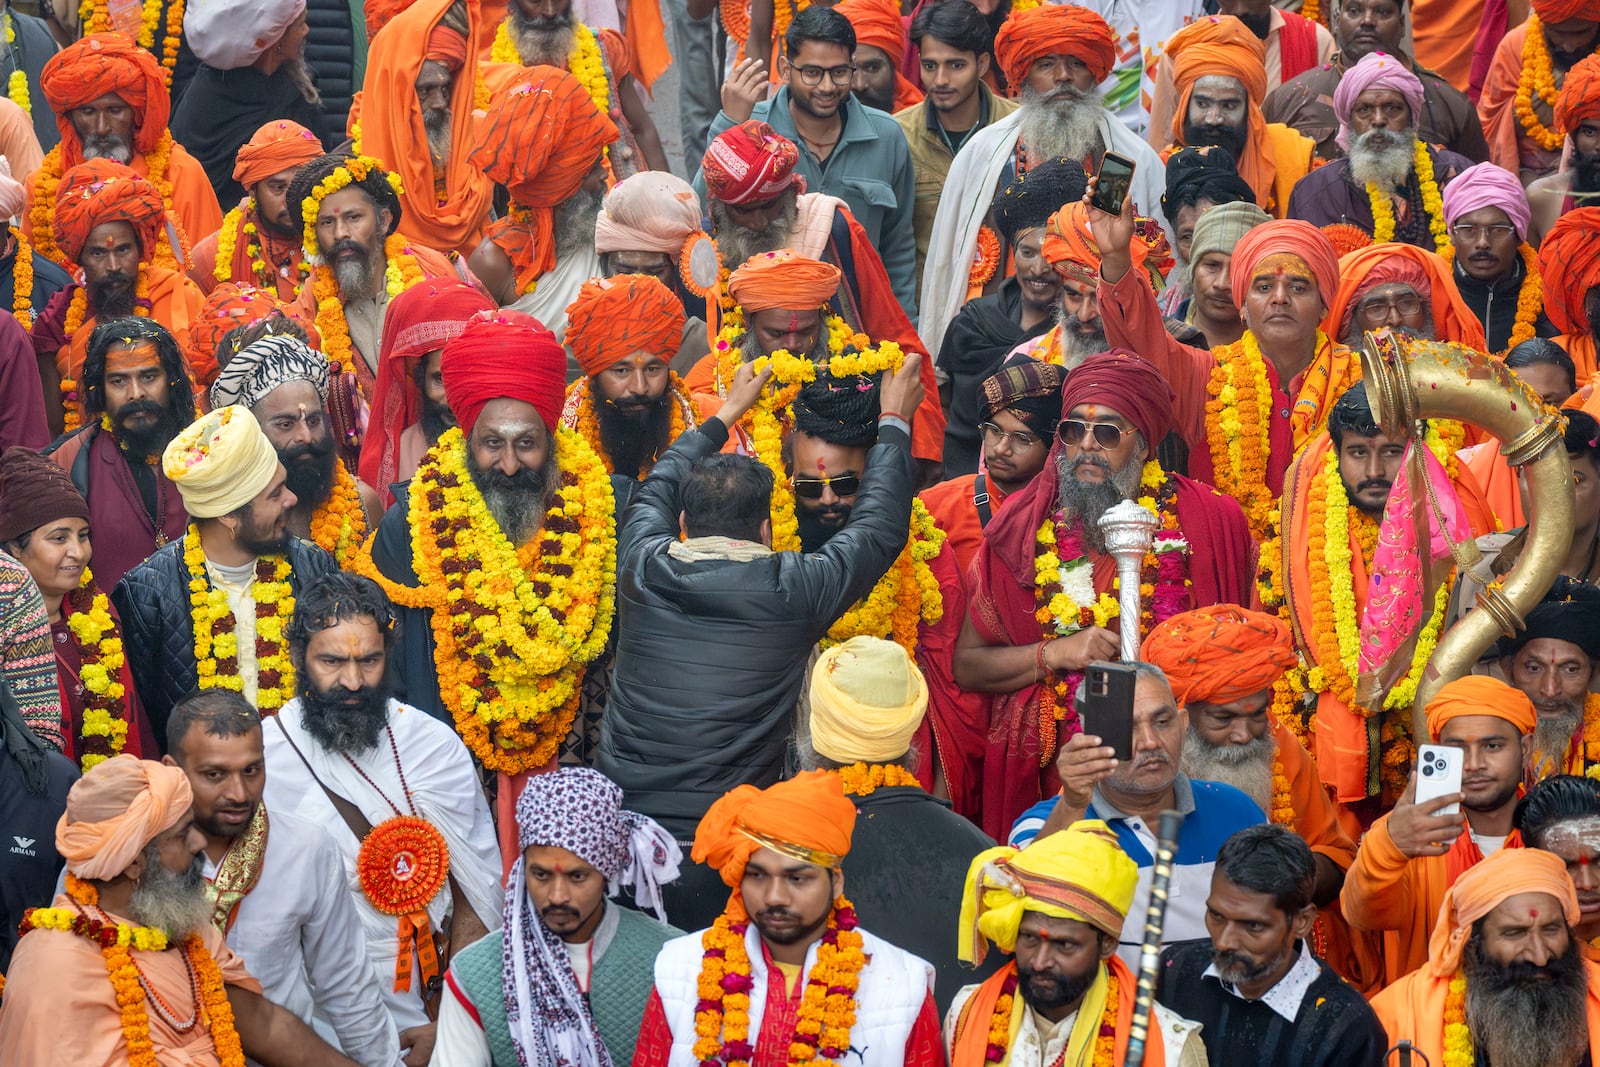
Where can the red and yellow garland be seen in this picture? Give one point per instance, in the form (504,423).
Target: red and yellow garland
(47,181)
(216,644)
(340,524)
(104,730)
(578,414)
(1105,1040)
(242,220)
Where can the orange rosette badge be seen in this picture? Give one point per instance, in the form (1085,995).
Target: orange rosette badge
(403,863)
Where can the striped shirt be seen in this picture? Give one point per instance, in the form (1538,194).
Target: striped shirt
(27,658)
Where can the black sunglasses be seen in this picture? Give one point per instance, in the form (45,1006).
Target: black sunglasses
(1106,435)
(813,488)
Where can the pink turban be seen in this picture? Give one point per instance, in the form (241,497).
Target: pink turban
(1375,71)
(651,211)
(1487,185)
(1294,237)
(115,810)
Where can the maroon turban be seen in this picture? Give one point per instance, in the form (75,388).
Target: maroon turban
(503,355)
(1130,386)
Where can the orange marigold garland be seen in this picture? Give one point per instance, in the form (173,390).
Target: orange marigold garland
(22,278)
(578,413)
(1105,1039)
(1538,79)
(864,779)
(340,524)
(1530,299)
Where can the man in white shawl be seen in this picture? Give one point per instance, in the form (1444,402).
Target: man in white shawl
(394,787)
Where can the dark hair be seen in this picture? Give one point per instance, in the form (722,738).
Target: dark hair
(1537,350)
(180,395)
(220,712)
(1193,176)
(726,496)
(275,324)
(840,412)
(1582,436)
(956,24)
(1267,858)
(1352,413)
(336,598)
(818,23)
(375,185)
(1555,799)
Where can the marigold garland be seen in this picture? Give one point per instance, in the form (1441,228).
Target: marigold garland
(401,273)
(862,779)
(578,414)
(216,642)
(1383,220)
(1530,299)
(17,83)
(585,62)
(95,16)
(1538,78)
(339,525)
(47,182)
(243,220)
(104,730)
(513,626)
(1281,811)
(22,278)
(1459,1050)
(1105,1040)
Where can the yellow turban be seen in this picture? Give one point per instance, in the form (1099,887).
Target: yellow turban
(867,699)
(115,810)
(1078,873)
(220,462)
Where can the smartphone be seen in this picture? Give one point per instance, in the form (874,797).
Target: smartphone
(1438,775)
(1106,708)
(1112,183)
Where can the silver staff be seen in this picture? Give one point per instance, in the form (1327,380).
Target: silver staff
(1129,529)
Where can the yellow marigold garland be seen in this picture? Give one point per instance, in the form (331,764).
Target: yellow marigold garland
(1590,754)
(585,62)
(216,643)
(17,83)
(340,524)
(1530,299)
(1538,78)
(578,413)
(22,278)
(863,779)
(1459,1050)
(47,182)
(104,730)
(242,220)
(1383,220)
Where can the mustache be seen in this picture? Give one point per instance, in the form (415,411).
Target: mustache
(1089,459)
(1374,483)
(347,245)
(139,407)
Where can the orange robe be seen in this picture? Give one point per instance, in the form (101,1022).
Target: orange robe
(950,504)
(1581,348)
(203,271)
(174,303)
(1509,145)
(1443,32)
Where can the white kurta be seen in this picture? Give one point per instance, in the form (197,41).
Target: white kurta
(444,787)
(558,288)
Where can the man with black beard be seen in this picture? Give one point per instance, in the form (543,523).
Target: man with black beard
(1577,115)
(1504,956)
(346,756)
(1562,34)
(133,376)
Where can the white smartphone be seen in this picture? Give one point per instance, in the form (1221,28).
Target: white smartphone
(1438,775)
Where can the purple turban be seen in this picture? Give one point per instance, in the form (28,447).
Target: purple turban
(1375,71)
(1487,185)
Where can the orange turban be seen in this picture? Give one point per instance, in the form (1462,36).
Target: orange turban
(1222,45)
(541,138)
(1569,260)
(1552,11)
(1486,885)
(115,810)
(1479,694)
(104,63)
(878,23)
(226,308)
(1430,275)
(1050,30)
(1220,654)
(1070,247)
(102,191)
(1580,95)
(447,46)
(379,13)
(278,146)
(615,317)
(782,279)
(1294,237)
(806,817)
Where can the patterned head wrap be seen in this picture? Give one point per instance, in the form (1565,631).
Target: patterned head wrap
(104,63)
(615,317)
(101,191)
(1054,29)
(1220,228)
(266,364)
(1026,387)
(278,146)
(750,163)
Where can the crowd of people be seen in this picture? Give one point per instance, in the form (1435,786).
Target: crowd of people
(502,564)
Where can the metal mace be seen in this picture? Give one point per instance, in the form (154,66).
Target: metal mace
(1129,529)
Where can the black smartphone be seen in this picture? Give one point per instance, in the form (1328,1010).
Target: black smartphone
(1106,708)
(1112,183)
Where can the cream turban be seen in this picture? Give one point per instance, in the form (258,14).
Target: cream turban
(220,462)
(867,699)
(651,211)
(115,810)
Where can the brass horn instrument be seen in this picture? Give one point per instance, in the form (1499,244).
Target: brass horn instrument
(1409,380)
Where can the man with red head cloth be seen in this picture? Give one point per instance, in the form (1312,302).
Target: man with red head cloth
(880,49)
(1541,52)
(1115,409)
(111,102)
(257,244)
(227,308)
(108,222)
(1577,116)
(1569,260)
(1054,56)
(424,98)
(545,141)
(787,928)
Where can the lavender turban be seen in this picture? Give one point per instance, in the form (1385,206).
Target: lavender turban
(1375,71)
(1487,185)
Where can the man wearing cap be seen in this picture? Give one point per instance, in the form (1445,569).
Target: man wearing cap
(1410,857)
(210,608)
(133,865)
(1577,116)
(787,957)
(867,725)
(1210,306)
(1504,980)
(264,245)
(1487,212)
(1552,660)
(1056,907)
(1526,139)
(568,973)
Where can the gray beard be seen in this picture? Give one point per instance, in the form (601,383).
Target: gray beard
(574,220)
(517,505)
(1383,158)
(355,280)
(750,348)
(300,74)
(1087,501)
(1355,336)
(1063,123)
(738,244)
(1247,768)
(437,124)
(109,146)
(1552,733)
(1526,1023)
(170,901)
(1075,348)
(538,46)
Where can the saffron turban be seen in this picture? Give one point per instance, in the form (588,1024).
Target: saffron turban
(1080,873)
(782,279)
(1569,612)
(446,46)
(615,317)
(1220,228)
(1487,185)
(1220,654)
(867,700)
(35,491)
(503,355)
(1026,387)
(1579,98)
(1293,237)
(104,63)
(276,147)
(1070,247)
(806,817)
(878,23)
(1376,70)
(1551,11)
(1430,275)
(229,34)
(1128,385)
(226,308)
(1216,45)
(220,462)
(1479,694)
(1569,261)
(750,163)
(651,211)
(1486,885)
(1054,30)
(264,365)
(116,809)
(101,191)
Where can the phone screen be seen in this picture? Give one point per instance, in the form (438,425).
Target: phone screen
(1115,179)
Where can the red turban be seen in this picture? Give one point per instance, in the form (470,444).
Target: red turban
(104,63)
(615,317)
(1569,261)
(1553,11)
(1128,385)
(1479,694)
(782,279)
(750,163)
(1367,268)
(1294,237)
(806,817)
(226,308)
(278,146)
(1580,95)
(1220,654)
(503,355)
(879,24)
(541,138)
(1050,30)
(102,191)
(447,46)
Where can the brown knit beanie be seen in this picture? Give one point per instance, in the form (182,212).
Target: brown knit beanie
(34,491)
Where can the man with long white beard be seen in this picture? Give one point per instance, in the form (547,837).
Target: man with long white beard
(1553,661)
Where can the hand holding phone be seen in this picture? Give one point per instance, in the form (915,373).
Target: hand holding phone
(1415,829)
(1112,183)
(1106,708)
(1438,775)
